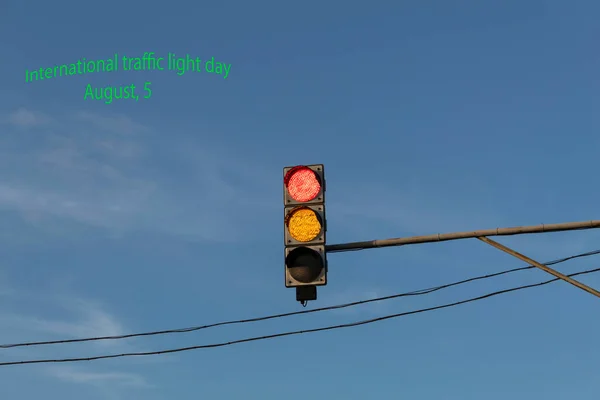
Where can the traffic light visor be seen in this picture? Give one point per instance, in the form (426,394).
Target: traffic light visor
(303,224)
(302,184)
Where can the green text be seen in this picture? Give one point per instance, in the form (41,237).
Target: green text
(110,93)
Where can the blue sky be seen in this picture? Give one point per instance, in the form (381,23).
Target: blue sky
(429,117)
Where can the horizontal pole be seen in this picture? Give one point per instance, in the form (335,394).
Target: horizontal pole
(442,237)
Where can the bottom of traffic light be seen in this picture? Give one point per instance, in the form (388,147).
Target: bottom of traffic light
(305,266)
(306,293)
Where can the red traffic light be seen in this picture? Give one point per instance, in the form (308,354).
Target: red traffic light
(302,184)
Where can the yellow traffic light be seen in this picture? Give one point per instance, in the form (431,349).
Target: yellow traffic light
(304,224)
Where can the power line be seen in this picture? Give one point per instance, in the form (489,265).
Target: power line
(292,333)
(264,318)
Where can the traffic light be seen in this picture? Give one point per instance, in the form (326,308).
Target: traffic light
(304,229)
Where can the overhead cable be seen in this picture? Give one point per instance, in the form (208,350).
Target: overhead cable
(283,315)
(292,333)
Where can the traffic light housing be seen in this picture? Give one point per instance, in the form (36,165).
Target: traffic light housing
(305,229)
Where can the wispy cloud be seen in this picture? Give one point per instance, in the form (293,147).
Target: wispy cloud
(24,118)
(118,124)
(90,377)
(70,318)
(57,315)
(111,384)
(96,170)
(64,318)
